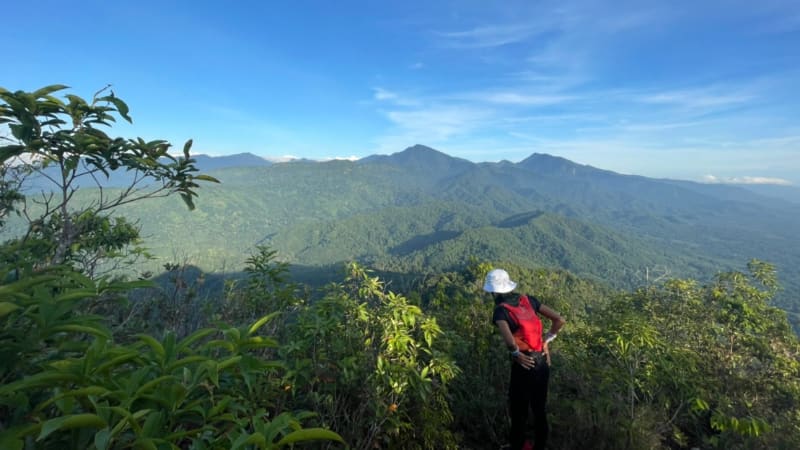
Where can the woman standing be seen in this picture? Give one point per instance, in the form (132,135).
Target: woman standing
(518,322)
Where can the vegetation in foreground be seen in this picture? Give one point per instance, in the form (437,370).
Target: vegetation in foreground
(91,361)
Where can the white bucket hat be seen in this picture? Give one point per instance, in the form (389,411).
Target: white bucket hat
(498,281)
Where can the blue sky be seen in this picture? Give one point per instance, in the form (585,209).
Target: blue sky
(698,90)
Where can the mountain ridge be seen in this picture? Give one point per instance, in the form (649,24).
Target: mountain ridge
(422,208)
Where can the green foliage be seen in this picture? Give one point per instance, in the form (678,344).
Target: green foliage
(478,395)
(63,142)
(367,362)
(705,366)
(10,195)
(66,384)
(678,365)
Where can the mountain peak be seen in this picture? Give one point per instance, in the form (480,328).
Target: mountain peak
(422,149)
(544,163)
(420,156)
(420,152)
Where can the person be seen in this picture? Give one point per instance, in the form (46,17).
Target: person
(516,318)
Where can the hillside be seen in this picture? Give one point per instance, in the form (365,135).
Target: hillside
(422,210)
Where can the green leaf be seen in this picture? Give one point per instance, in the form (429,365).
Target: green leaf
(95,331)
(47,90)
(122,107)
(260,322)
(700,405)
(259,342)
(102,438)
(192,338)
(213,371)
(152,424)
(116,361)
(40,379)
(27,283)
(145,443)
(96,391)
(233,334)
(220,343)
(9,151)
(249,439)
(76,294)
(208,178)
(152,383)
(219,407)
(309,434)
(156,346)
(6,308)
(70,422)
(229,362)
(10,441)
(187,199)
(186,361)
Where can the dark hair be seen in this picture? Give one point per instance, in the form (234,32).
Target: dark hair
(508,297)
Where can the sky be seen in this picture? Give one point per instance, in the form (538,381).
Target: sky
(697,90)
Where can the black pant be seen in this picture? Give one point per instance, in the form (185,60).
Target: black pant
(528,389)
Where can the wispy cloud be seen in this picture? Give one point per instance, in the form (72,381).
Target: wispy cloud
(746,180)
(515,98)
(439,122)
(342,158)
(560,79)
(489,35)
(383,94)
(281,159)
(660,126)
(697,99)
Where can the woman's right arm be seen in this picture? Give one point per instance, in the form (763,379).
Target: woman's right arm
(505,332)
(521,358)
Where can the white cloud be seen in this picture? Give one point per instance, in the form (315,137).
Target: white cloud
(696,99)
(439,122)
(516,98)
(280,159)
(746,180)
(433,122)
(383,94)
(490,35)
(342,158)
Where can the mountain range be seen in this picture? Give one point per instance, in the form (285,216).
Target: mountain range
(421,211)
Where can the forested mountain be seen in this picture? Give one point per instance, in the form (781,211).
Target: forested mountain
(788,193)
(421,210)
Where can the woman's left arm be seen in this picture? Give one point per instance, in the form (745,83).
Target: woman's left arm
(556,321)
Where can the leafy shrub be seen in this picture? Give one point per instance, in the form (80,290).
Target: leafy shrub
(66,384)
(367,362)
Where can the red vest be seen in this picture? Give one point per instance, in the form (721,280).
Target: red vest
(528,335)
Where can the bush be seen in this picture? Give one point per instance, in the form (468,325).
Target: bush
(67,384)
